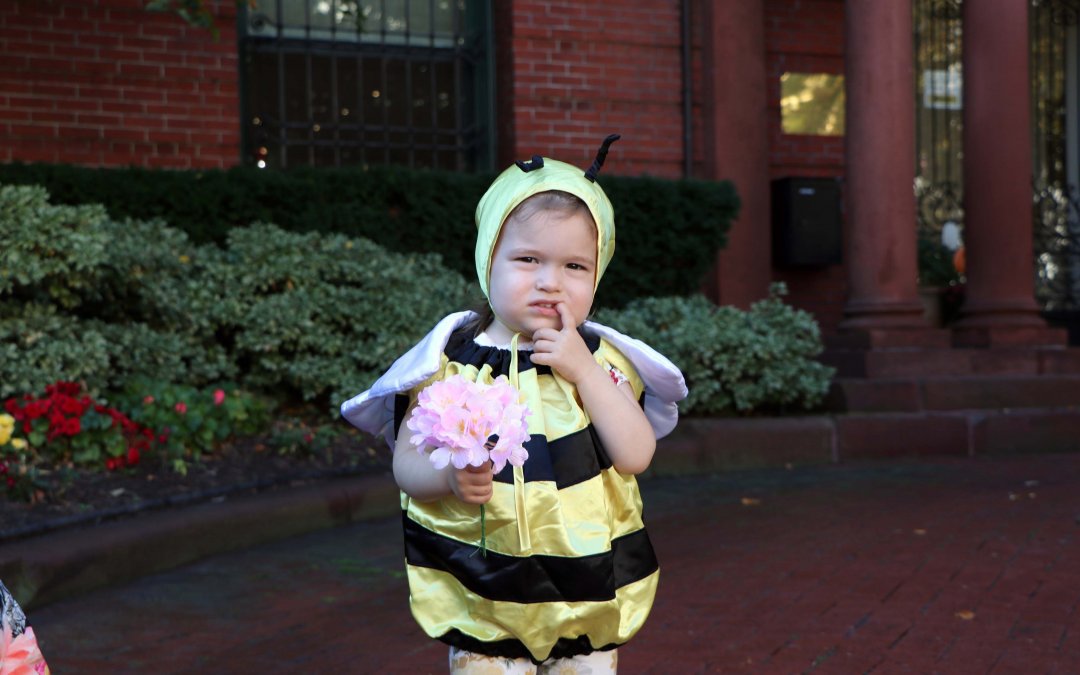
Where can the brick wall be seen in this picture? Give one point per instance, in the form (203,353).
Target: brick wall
(584,70)
(806,36)
(107,83)
(104,82)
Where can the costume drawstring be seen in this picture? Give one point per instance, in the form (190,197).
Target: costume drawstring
(524,540)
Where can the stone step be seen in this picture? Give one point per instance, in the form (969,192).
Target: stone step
(1001,392)
(894,363)
(719,444)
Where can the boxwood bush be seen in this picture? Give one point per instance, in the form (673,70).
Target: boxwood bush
(312,316)
(295,314)
(668,230)
(735,362)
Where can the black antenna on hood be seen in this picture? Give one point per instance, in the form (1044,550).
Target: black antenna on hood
(537,162)
(601,155)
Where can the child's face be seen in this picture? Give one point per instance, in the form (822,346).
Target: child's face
(546,259)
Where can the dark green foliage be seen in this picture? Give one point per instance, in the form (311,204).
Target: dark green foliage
(759,361)
(936,266)
(300,315)
(668,231)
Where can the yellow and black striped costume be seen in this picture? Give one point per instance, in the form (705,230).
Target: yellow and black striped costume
(569,568)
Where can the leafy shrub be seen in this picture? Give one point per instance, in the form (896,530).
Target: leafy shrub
(324,314)
(49,252)
(740,362)
(667,235)
(297,314)
(92,300)
(292,436)
(936,267)
(188,422)
(668,231)
(40,345)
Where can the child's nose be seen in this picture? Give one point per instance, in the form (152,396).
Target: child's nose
(547,279)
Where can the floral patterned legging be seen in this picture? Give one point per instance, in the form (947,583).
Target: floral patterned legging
(596,663)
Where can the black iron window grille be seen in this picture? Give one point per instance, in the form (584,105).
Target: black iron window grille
(367,82)
(1055,130)
(938,137)
(1055,111)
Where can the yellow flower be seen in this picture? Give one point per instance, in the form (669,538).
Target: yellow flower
(18,443)
(7,425)
(185,259)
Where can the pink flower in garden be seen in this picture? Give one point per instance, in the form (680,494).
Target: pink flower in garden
(219,396)
(148,400)
(181,408)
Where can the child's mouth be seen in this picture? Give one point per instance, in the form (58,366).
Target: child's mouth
(545,308)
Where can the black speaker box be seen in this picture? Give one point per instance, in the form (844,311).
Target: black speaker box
(806,228)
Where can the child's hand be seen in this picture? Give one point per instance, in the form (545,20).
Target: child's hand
(473,484)
(563,349)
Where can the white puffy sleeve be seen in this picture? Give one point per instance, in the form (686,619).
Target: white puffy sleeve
(373,410)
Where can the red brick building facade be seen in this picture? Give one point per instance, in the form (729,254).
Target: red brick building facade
(692,85)
(109,84)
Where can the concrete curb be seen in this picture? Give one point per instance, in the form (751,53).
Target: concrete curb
(44,569)
(68,562)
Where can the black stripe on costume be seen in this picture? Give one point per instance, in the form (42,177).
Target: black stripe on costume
(536,578)
(461,347)
(569,460)
(401,406)
(514,649)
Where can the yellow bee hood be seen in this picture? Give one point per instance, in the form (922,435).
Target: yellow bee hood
(526,179)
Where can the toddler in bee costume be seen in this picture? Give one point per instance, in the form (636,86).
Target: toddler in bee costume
(569,573)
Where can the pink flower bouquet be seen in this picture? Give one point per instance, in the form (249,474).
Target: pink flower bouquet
(468,424)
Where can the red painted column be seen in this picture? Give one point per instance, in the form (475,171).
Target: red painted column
(1000,306)
(879,237)
(737,144)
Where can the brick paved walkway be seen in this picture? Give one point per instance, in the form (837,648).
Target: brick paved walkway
(941,566)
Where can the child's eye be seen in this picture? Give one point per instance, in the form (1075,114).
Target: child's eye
(575,266)
(526,259)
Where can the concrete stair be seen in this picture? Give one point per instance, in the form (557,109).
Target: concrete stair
(937,394)
(972,414)
(917,402)
(908,362)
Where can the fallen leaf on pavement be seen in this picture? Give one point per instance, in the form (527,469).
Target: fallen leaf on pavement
(965,614)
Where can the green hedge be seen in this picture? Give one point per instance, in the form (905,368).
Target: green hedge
(759,361)
(668,231)
(297,315)
(312,316)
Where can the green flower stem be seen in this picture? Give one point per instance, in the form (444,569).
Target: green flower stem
(483,532)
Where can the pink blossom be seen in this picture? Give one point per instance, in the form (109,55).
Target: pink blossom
(454,420)
(180,408)
(148,400)
(219,396)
